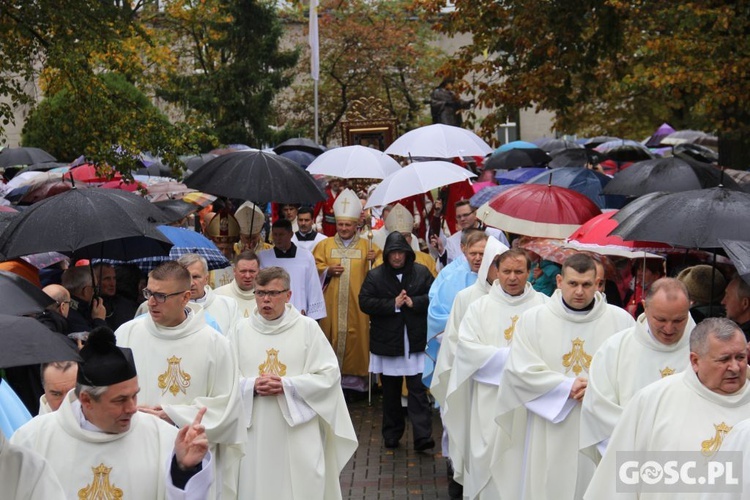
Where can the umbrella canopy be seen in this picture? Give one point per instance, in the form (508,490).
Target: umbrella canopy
(299,144)
(585,181)
(26,341)
(354,162)
(550,144)
(547,248)
(538,210)
(11,157)
(739,253)
(194,162)
(256,176)
(655,140)
(439,141)
(486,194)
(595,236)
(5,218)
(625,150)
(692,219)
(185,241)
(301,158)
(88,172)
(87,223)
(667,174)
(690,136)
(599,139)
(518,175)
(175,210)
(517,158)
(516,145)
(575,157)
(416,178)
(20,296)
(696,152)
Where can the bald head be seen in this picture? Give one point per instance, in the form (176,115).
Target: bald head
(667,310)
(61,296)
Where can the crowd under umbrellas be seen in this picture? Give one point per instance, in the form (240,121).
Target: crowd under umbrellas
(555,197)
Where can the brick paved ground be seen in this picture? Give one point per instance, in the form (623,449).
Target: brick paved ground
(376,472)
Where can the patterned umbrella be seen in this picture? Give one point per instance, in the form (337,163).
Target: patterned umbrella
(547,248)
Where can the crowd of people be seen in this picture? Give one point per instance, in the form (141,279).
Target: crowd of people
(235,383)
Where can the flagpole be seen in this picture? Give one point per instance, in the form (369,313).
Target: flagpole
(314,59)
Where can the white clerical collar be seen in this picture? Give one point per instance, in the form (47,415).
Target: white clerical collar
(201,300)
(85,424)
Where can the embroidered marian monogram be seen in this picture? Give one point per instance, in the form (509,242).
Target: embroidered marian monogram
(272,364)
(666,372)
(710,446)
(100,488)
(512,328)
(174,379)
(577,359)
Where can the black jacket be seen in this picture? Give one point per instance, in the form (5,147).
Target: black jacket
(377,298)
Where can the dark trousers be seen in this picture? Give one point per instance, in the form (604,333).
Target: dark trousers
(417,409)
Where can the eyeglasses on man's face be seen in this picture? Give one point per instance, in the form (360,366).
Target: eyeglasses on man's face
(269,293)
(159,297)
(464,216)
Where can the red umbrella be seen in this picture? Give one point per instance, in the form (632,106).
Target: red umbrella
(90,173)
(547,248)
(124,185)
(594,235)
(538,210)
(46,190)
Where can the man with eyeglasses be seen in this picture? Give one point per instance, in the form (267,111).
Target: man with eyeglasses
(87,309)
(466,217)
(299,432)
(184,364)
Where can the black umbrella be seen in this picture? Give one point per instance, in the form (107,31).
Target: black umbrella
(193,163)
(575,157)
(549,144)
(26,341)
(667,174)
(599,139)
(516,158)
(20,296)
(87,224)
(175,210)
(739,253)
(256,176)
(5,218)
(11,157)
(691,219)
(690,151)
(300,144)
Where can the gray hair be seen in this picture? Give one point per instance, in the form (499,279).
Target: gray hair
(722,328)
(76,278)
(63,366)
(743,288)
(95,392)
(191,258)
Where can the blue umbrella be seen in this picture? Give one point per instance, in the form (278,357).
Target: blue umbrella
(185,241)
(302,158)
(586,181)
(486,194)
(518,176)
(515,145)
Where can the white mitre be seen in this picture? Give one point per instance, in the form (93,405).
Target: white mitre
(399,220)
(250,218)
(347,206)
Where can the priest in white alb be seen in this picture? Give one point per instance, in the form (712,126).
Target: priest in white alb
(485,336)
(547,373)
(25,474)
(691,411)
(307,292)
(100,446)
(656,347)
(299,435)
(246,267)
(184,365)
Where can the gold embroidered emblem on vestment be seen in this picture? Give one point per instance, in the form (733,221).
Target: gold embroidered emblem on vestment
(512,328)
(666,372)
(174,379)
(247,313)
(272,364)
(100,488)
(710,446)
(576,359)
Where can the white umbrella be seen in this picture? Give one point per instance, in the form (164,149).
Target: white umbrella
(416,178)
(354,162)
(612,250)
(439,141)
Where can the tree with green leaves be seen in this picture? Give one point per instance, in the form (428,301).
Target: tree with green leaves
(617,67)
(378,48)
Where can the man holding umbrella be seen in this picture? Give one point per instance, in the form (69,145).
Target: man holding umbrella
(87,311)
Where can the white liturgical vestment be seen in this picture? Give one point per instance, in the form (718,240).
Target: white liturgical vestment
(677,413)
(26,475)
(307,293)
(297,442)
(224,310)
(94,465)
(623,365)
(184,368)
(245,298)
(552,345)
(484,340)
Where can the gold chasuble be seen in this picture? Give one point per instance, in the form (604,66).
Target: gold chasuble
(346,327)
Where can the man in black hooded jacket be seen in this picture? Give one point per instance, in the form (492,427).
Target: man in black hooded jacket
(395,296)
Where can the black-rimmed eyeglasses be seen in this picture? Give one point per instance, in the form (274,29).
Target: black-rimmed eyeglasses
(159,297)
(269,293)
